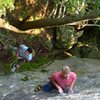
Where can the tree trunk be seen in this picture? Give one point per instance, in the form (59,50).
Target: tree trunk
(54,37)
(50,22)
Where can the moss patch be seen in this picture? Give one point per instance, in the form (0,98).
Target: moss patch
(29,66)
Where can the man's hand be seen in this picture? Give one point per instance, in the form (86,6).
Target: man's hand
(60,90)
(70,91)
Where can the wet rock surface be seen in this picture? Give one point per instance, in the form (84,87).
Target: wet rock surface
(87,87)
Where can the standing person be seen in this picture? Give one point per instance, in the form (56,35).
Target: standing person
(63,81)
(23,54)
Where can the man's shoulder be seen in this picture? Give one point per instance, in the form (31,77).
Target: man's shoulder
(73,74)
(29,57)
(56,73)
(23,46)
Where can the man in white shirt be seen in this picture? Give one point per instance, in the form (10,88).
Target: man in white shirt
(23,54)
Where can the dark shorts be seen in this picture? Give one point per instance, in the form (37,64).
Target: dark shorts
(20,61)
(49,87)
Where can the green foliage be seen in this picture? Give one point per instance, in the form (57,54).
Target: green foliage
(7,68)
(93,5)
(67,36)
(78,6)
(6,4)
(33,65)
(98,39)
(56,1)
(28,66)
(23,13)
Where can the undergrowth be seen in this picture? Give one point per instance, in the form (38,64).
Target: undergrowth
(28,66)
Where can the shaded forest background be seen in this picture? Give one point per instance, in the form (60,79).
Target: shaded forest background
(53,28)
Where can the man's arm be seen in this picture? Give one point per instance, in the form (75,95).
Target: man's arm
(18,52)
(29,58)
(52,79)
(71,86)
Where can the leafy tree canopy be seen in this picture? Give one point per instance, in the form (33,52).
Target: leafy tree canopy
(6,4)
(60,9)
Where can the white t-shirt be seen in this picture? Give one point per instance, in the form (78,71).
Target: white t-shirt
(22,53)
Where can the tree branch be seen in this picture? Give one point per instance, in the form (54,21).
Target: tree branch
(51,22)
(12,20)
